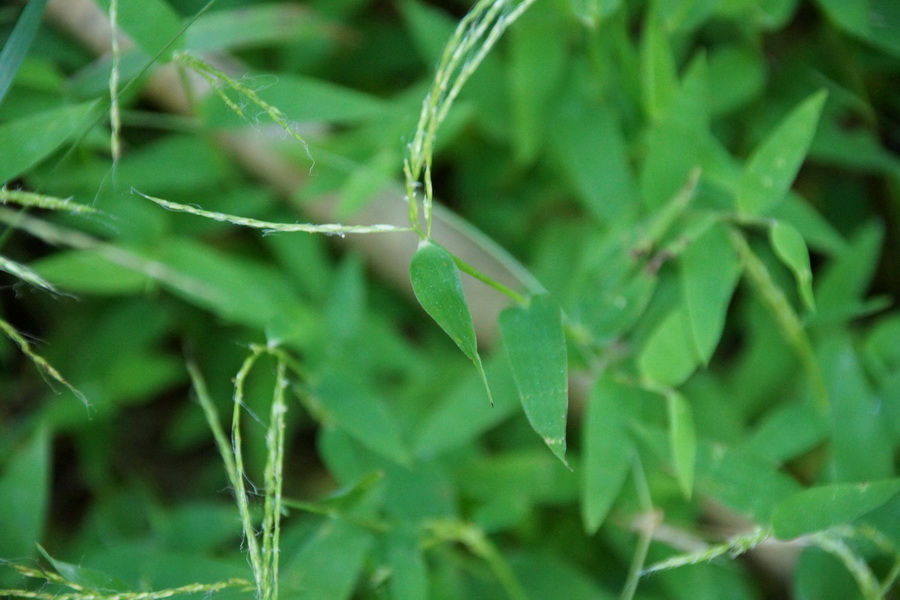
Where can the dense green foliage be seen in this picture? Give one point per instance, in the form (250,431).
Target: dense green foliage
(688,212)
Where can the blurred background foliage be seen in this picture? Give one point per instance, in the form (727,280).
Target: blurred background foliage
(565,149)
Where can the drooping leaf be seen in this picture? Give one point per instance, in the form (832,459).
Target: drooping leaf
(771,168)
(536,346)
(790,247)
(438,288)
(608,449)
(822,507)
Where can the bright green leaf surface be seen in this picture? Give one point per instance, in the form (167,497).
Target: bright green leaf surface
(669,357)
(36,136)
(790,247)
(536,346)
(709,269)
(682,440)
(438,288)
(24,484)
(822,507)
(771,168)
(608,449)
(659,76)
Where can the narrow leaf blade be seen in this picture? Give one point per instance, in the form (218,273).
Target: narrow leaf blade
(608,451)
(790,247)
(822,507)
(683,441)
(771,169)
(536,347)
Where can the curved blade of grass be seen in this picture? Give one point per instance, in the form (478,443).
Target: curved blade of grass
(270,226)
(19,41)
(438,288)
(536,347)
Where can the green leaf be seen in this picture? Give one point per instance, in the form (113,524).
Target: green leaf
(823,507)
(659,76)
(343,401)
(258,25)
(876,21)
(83,576)
(678,141)
(36,136)
(409,572)
(536,346)
(86,271)
(537,62)
(709,269)
(438,288)
(466,406)
(590,148)
(16,47)
(742,480)
(790,247)
(861,444)
(771,168)
(329,565)
(737,75)
(668,358)
(23,487)
(608,449)
(682,440)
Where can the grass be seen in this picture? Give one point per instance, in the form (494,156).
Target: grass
(683,329)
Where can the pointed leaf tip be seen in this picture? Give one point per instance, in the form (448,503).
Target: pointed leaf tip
(438,288)
(536,348)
